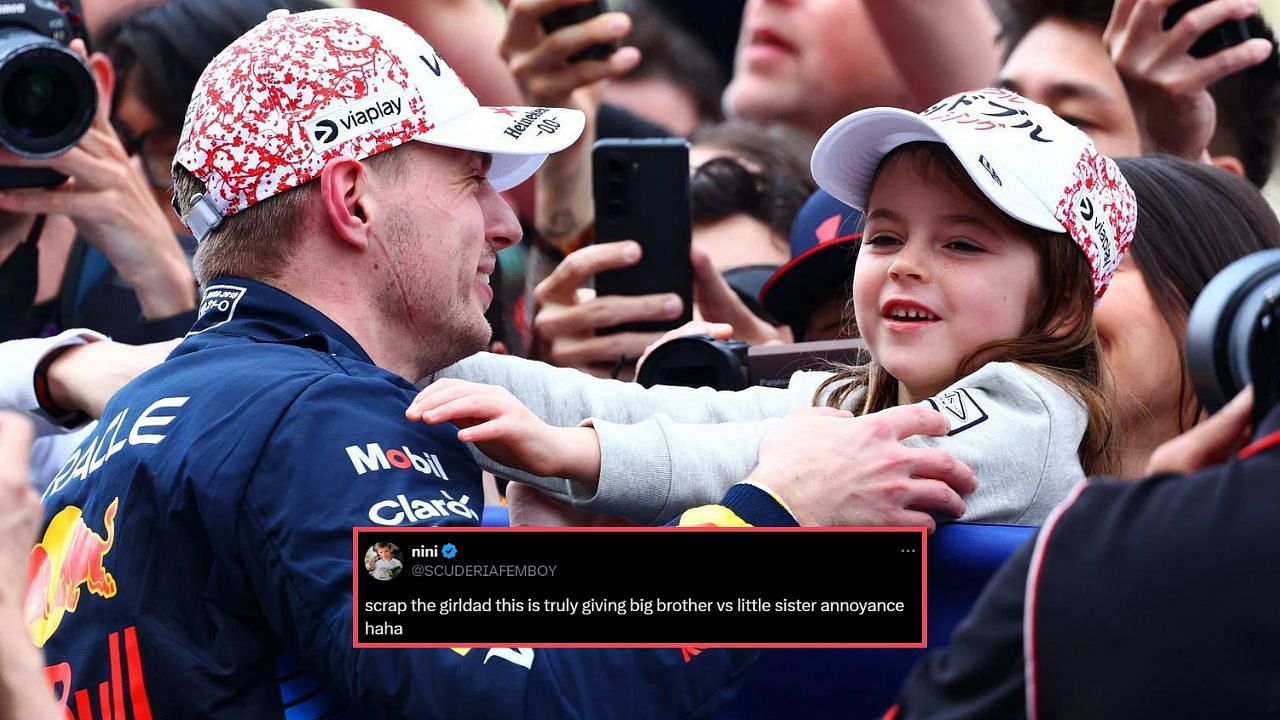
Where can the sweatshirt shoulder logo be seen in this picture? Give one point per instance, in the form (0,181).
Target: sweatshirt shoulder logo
(960,409)
(350,121)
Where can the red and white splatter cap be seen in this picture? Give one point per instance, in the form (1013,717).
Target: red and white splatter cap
(1032,164)
(299,90)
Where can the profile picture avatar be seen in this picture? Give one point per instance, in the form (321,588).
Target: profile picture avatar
(383,560)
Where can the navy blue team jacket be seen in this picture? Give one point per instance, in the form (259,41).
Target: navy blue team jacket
(204,532)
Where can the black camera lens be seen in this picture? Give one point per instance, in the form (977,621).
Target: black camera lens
(47,95)
(1230,333)
(697,361)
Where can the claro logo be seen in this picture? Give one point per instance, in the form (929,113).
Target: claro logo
(405,509)
(372,458)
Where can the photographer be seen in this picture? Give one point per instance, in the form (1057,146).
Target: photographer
(125,275)
(1136,599)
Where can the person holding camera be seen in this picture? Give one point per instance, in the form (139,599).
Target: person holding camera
(1134,599)
(107,262)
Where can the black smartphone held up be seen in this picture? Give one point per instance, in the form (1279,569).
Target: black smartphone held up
(1229,33)
(641,190)
(573,15)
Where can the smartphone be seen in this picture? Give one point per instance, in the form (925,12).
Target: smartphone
(641,191)
(1229,33)
(573,15)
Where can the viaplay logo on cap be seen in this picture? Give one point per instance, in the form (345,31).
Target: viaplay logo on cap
(350,121)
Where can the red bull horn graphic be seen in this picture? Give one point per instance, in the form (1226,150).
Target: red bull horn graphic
(69,555)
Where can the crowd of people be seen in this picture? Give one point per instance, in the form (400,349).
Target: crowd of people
(290,247)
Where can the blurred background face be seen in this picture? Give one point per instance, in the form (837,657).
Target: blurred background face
(97,13)
(738,240)
(150,144)
(1140,350)
(1065,66)
(808,63)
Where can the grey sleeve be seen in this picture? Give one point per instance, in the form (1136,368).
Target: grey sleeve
(566,397)
(662,449)
(652,471)
(19,359)
(1020,433)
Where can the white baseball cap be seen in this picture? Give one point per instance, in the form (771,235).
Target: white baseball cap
(1032,164)
(301,89)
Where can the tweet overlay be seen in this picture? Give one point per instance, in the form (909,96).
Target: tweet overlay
(639,587)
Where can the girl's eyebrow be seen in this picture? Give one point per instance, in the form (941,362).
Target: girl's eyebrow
(969,220)
(883,213)
(954,218)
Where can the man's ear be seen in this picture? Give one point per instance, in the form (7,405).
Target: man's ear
(348,204)
(1230,163)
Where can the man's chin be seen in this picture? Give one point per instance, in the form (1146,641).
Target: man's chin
(758,99)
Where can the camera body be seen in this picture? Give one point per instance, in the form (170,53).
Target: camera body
(1233,334)
(48,96)
(700,361)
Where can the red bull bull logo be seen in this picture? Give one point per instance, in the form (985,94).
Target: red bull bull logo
(69,556)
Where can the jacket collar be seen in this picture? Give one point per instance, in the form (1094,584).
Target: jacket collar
(248,308)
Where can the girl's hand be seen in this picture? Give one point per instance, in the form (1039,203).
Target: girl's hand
(505,430)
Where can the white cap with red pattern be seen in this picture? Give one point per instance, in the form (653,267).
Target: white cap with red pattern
(299,90)
(1032,164)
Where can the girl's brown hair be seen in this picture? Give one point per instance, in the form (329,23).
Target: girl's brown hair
(1059,340)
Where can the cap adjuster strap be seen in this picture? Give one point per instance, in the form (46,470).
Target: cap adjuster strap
(204,217)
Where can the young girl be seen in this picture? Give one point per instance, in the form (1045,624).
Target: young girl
(991,228)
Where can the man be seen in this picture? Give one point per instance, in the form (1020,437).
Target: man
(342,183)
(95,252)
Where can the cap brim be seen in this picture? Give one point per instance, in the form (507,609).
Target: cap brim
(847,156)
(518,138)
(809,278)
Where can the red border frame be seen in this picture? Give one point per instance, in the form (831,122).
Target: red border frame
(924,587)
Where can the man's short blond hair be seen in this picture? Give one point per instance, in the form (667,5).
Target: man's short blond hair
(259,241)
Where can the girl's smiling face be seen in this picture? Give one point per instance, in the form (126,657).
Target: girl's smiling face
(938,276)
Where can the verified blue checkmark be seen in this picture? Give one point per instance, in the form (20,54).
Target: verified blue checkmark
(449,551)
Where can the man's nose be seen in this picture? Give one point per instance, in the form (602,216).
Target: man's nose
(501,227)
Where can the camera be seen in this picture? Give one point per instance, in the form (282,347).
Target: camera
(47,94)
(1233,334)
(701,361)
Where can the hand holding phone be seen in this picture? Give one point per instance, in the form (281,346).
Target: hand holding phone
(573,15)
(1229,33)
(641,193)
(1157,55)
